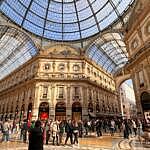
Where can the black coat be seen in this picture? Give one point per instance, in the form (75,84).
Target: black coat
(35,139)
(69,128)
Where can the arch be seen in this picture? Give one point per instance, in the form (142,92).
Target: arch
(22,48)
(109,51)
(44,111)
(60,111)
(76,111)
(145,103)
(120,79)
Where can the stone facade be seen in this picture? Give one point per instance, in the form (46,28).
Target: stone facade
(138,41)
(127,98)
(59,82)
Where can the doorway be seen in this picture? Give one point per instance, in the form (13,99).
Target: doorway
(145,102)
(60,111)
(76,111)
(44,111)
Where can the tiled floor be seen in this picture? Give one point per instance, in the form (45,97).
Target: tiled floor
(89,143)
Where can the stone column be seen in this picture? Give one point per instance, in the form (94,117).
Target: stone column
(147,76)
(85,103)
(137,94)
(52,102)
(35,109)
(68,67)
(53,66)
(68,103)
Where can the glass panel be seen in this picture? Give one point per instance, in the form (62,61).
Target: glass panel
(109,52)
(16,49)
(71,15)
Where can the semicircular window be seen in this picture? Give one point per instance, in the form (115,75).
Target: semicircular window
(109,51)
(65,20)
(16,48)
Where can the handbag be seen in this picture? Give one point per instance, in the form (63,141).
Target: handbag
(75,131)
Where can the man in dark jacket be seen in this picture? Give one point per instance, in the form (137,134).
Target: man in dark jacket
(36,137)
(98,127)
(69,131)
(61,132)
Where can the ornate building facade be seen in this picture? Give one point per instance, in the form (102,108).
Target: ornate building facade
(138,41)
(58,83)
(127,98)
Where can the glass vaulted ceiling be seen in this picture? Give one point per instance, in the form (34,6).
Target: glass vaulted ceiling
(64,20)
(15,49)
(109,51)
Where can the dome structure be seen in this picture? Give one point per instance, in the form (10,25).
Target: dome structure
(65,20)
(16,48)
(109,51)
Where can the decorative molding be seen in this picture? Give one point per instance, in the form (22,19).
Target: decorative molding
(147,29)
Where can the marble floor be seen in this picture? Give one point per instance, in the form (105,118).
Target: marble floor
(106,142)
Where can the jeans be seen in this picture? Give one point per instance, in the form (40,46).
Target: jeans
(69,135)
(5,136)
(75,138)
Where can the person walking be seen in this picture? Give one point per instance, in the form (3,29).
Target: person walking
(61,132)
(47,128)
(24,130)
(55,132)
(98,128)
(36,137)
(5,130)
(112,127)
(69,131)
(80,125)
(125,129)
(134,126)
(75,132)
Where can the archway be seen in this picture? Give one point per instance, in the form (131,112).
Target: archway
(44,111)
(127,100)
(145,103)
(60,111)
(121,79)
(76,111)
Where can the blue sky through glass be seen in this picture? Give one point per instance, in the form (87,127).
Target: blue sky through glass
(16,48)
(129,82)
(64,20)
(109,51)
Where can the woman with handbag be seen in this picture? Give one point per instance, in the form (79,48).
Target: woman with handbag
(75,132)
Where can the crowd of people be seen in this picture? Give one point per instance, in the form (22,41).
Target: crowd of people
(58,132)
